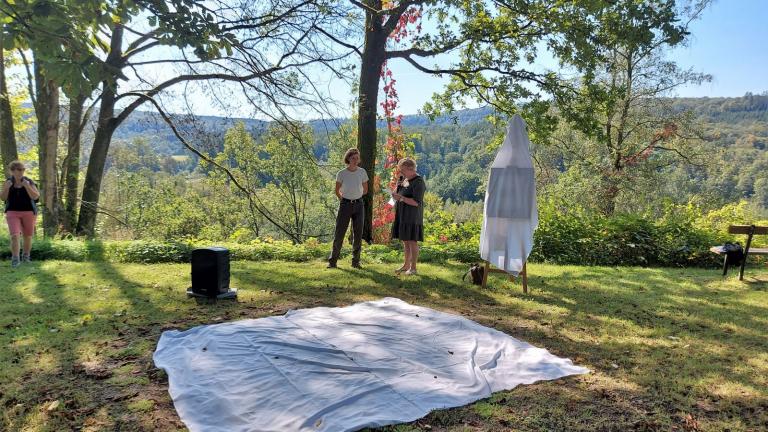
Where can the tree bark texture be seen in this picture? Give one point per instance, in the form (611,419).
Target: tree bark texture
(373,57)
(72,162)
(86,223)
(47,113)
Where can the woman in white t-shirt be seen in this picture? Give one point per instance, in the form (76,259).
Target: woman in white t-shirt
(351,186)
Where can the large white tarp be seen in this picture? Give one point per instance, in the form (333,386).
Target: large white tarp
(342,369)
(510,212)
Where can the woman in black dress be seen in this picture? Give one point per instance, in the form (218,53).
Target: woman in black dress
(409,214)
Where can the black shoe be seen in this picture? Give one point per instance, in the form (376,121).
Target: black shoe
(331,265)
(357,266)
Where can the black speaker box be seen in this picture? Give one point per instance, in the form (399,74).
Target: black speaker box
(210,273)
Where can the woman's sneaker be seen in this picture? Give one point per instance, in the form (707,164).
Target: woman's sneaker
(26,258)
(15,262)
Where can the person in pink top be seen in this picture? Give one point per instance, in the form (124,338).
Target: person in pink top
(20,193)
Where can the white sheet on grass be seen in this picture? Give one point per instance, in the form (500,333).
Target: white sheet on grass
(342,369)
(510,213)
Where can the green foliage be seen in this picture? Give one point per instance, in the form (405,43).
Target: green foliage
(718,220)
(580,237)
(459,186)
(580,35)
(70,35)
(729,163)
(159,206)
(277,250)
(682,237)
(734,149)
(282,177)
(143,251)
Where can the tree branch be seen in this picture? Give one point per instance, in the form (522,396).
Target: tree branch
(30,86)
(262,210)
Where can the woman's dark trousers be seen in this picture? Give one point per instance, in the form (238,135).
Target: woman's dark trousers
(354,210)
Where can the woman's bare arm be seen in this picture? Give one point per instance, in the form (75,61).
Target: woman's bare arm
(31,189)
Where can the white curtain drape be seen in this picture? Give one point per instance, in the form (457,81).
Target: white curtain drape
(510,212)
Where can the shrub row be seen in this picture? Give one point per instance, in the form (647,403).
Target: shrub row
(562,238)
(624,240)
(142,251)
(621,248)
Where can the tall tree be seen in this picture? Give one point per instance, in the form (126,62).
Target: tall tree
(70,170)
(496,43)
(229,43)
(636,129)
(47,113)
(59,43)
(105,127)
(264,47)
(277,167)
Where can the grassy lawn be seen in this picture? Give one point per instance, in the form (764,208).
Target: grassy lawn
(671,349)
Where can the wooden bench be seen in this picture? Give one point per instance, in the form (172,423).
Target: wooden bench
(750,231)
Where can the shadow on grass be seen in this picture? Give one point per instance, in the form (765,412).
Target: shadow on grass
(663,343)
(677,343)
(678,346)
(81,339)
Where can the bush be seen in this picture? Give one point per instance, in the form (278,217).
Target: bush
(146,251)
(579,238)
(681,237)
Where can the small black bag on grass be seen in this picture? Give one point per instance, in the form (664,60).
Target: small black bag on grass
(734,253)
(476,272)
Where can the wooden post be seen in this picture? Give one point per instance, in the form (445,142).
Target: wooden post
(746,252)
(525,277)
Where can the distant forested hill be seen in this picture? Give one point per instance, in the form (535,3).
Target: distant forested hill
(749,107)
(148,125)
(738,133)
(452,151)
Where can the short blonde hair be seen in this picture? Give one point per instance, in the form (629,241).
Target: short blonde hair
(16,164)
(349,154)
(406,162)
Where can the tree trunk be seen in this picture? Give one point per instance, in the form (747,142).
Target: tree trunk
(8,147)
(89,202)
(368,93)
(107,124)
(47,113)
(610,188)
(72,162)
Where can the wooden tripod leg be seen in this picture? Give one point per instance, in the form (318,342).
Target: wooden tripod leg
(525,278)
(486,270)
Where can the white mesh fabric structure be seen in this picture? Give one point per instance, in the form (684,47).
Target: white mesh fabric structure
(510,214)
(342,369)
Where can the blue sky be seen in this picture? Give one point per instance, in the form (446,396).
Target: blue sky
(730,42)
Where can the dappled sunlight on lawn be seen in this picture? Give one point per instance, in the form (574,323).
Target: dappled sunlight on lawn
(26,289)
(663,343)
